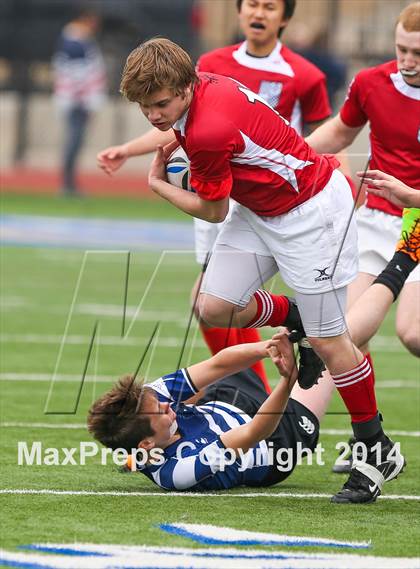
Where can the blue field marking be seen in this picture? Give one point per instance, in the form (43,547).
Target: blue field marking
(63,550)
(290,541)
(81,233)
(107,556)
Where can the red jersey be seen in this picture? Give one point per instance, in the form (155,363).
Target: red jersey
(239,146)
(288,82)
(381,96)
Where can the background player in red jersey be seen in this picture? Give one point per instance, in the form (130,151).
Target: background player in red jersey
(293,214)
(288,82)
(388,97)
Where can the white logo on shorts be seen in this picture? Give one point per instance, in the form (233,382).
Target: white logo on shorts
(307,425)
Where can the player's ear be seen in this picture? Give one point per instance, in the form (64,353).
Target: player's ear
(187,91)
(147,444)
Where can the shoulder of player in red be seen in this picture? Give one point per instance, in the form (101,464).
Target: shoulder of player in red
(365,83)
(211,60)
(301,66)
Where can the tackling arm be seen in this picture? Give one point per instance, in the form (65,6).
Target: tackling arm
(227,362)
(271,411)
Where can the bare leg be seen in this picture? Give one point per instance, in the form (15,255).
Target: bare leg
(408,317)
(221,313)
(366,315)
(354,292)
(318,397)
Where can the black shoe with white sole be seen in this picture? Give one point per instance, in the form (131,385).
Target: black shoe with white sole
(383,462)
(310,364)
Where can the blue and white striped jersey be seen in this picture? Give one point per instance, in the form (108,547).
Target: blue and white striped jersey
(199,460)
(79,72)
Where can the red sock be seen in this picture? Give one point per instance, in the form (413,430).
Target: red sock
(219,338)
(247,336)
(369,359)
(272,309)
(357,391)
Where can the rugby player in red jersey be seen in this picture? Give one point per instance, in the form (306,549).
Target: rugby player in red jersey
(288,82)
(292,215)
(388,98)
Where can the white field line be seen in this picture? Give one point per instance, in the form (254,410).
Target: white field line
(379,343)
(47,492)
(79,339)
(18,425)
(22,376)
(104,310)
(349,432)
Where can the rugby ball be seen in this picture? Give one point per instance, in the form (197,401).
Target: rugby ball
(178,169)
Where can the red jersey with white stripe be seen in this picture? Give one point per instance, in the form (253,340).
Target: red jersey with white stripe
(288,82)
(381,96)
(239,146)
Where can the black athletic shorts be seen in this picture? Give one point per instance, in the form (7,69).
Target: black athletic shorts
(245,390)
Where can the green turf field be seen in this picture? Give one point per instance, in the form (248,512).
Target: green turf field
(37,290)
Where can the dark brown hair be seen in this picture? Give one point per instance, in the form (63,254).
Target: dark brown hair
(115,419)
(156,64)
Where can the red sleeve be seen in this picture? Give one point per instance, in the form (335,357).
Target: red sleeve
(352,113)
(211,176)
(314,100)
(210,149)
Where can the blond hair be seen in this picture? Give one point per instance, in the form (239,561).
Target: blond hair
(410,17)
(156,64)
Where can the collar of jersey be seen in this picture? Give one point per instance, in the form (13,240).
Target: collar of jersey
(181,122)
(274,62)
(403,88)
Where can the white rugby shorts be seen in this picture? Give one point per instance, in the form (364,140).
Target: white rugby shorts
(314,247)
(379,233)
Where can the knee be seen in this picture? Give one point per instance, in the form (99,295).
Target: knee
(323,347)
(214,311)
(410,337)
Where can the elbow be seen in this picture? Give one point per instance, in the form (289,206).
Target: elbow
(216,217)
(218,211)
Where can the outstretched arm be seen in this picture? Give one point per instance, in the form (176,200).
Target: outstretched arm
(112,158)
(389,187)
(227,362)
(271,411)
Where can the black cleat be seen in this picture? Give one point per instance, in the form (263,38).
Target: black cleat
(367,477)
(343,464)
(310,364)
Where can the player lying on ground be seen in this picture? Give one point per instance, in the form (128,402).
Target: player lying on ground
(235,413)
